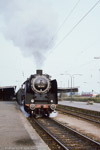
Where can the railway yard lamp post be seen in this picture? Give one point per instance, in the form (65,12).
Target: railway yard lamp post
(72,80)
(99,82)
(99,73)
(99,77)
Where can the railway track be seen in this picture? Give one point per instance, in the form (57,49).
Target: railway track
(89,115)
(60,137)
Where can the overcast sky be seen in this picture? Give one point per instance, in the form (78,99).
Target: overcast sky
(59,36)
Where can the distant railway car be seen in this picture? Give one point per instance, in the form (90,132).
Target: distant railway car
(20,96)
(40,94)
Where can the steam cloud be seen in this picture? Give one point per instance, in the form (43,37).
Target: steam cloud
(30,24)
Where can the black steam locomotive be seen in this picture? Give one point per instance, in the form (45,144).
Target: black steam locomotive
(40,94)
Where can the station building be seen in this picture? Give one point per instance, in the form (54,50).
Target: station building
(7,93)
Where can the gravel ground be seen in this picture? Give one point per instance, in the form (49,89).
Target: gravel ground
(82,126)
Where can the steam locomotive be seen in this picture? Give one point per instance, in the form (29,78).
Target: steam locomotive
(40,94)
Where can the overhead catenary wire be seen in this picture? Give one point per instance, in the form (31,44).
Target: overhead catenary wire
(64,21)
(66,18)
(84,51)
(73,28)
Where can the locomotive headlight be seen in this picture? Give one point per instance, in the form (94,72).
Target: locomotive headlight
(32,106)
(51,101)
(40,84)
(53,106)
(32,100)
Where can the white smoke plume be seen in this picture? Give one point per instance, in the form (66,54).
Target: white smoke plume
(30,24)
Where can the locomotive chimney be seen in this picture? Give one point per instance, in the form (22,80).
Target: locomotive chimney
(39,72)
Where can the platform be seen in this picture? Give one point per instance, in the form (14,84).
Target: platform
(95,106)
(16,133)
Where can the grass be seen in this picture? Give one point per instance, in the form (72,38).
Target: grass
(81,99)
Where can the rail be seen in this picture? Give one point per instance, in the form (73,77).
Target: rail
(65,138)
(89,115)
